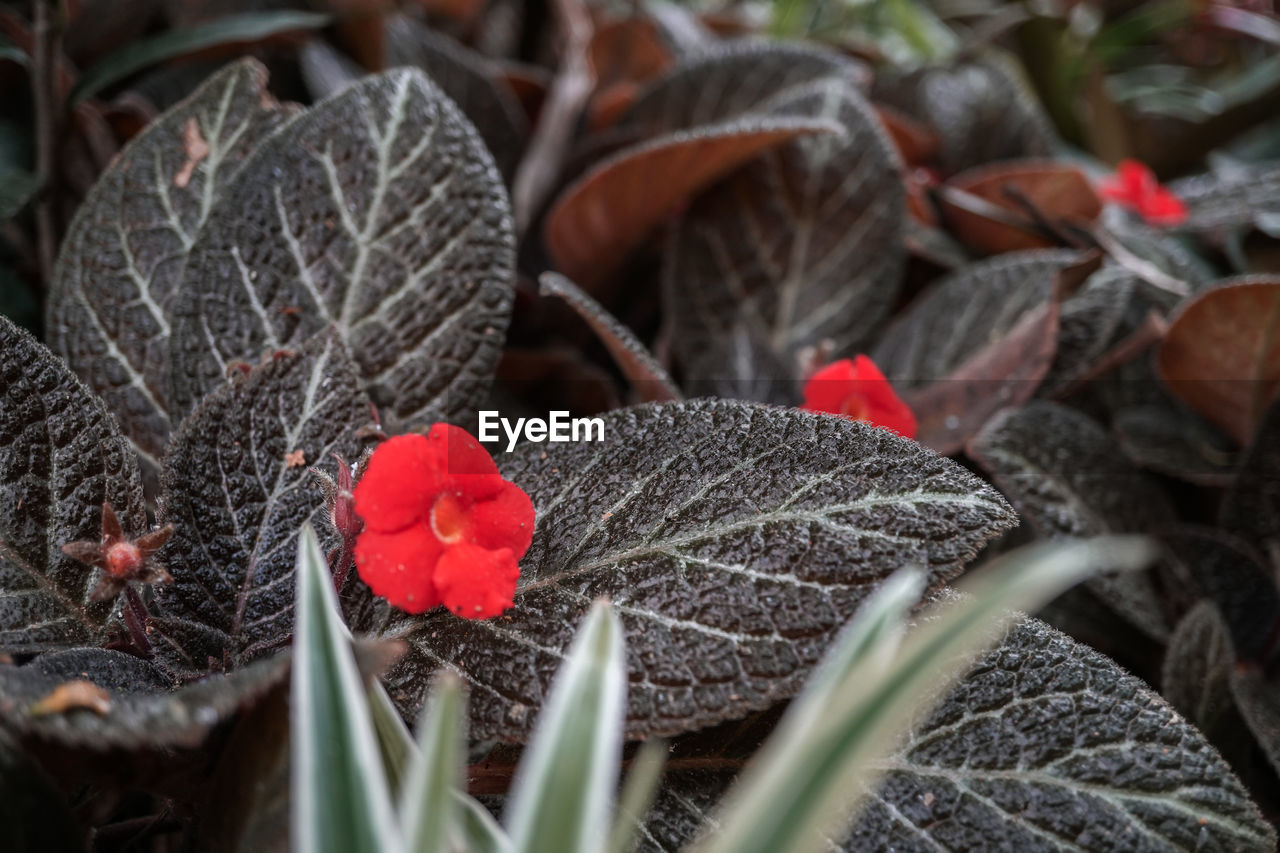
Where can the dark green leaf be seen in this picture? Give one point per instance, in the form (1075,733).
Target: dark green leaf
(800,247)
(982,110)
(1045,745)
(733,539)
(17,186)
(233,29)
(144,712)
(61,457)
(1258,699)
(238,500)
(121,261)
(1245,197)
(1170,440)
(378,212)
(1197,668)
(1212,564)
(1064,474)
(981,339)
(467,79)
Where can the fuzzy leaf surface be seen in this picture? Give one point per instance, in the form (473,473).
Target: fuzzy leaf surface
(1066,476)
(238,500)
(1044,745)
(121,261)
(733,540)
(61,457)
(801,246)
(378,212)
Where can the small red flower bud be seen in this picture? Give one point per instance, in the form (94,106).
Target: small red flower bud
(857,389)
(441,526)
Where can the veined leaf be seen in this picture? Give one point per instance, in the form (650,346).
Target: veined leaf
(465,77)
(1043,745)
(1065,475)
(340,797)
(734,541)
(377,212)
(562,795)
(238,489)
(979,340)
(109,304)
(61,458)
(1252,505)
(981,109)
(796,792)
(802,246)
(1243,197)
(144,712)
(1196,676)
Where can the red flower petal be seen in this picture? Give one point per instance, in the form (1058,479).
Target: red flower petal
(475,582)
(396,489)
(401,566)
(1135,186)
(503,521)
(828,388)
(859,390)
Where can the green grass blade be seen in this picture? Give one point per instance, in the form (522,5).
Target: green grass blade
(395,743)
(806,782)
(476,831)
(637,795)
(428,805)
(564,785)
(340,797)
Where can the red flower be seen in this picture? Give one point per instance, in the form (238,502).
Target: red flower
(441,525)
(857,389)
(1136,187)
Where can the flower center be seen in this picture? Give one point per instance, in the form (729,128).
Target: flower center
(123,559)
(447,519)
(854,406)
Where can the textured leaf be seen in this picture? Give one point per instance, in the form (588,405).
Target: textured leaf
(1197,668)
(238,502)
(802,246)
(1107,310)
(1252,504)
(1064,474)
(1045,745)
(1222,353)
(608,212)
(1244,197)
(231,29)
(61,457)
(379,212)
(144,713)
(981,339)
(728,81)
(109,304)
(467,79)
(982,110)
(733,539)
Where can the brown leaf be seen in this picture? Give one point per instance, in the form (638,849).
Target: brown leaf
(72,695)
(915,142)
(1221,355)
(1061,193)
(613,208)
